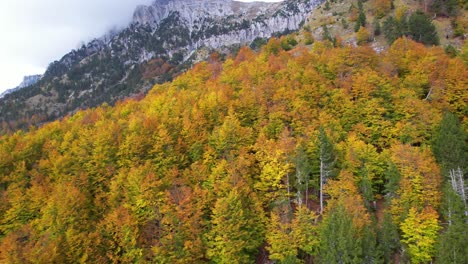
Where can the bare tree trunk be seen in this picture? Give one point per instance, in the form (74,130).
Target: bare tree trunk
(307,193)
(299,183)
(458,184)
(321,185)
(289,193)
(449,211)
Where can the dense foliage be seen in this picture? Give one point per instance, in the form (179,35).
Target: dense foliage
(229,163)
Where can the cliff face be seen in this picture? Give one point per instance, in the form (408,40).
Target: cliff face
(159,42)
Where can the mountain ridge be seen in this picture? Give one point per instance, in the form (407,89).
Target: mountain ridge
(112,67)
(28,80)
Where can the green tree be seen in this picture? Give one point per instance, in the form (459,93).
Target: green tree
(361,19)
(339,242)
(452,245)
(445,7)
(388,238)
(377,27)
(394,29)
(327,161)
(419,234)
(449,145)
(421,29)
(237,228)
(303,171)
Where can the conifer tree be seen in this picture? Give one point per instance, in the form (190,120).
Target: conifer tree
(327,162)
(339,242)
(452,246)
(388,238)
(421,29)
(449,144)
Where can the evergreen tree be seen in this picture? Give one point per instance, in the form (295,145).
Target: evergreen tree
(327,161)
(445,7)
(393,29)
(302,179)
(452,246)
(339,242)
(371,251)
(421,29)
(449,144)
(361,20)
(377,28)
(388,238)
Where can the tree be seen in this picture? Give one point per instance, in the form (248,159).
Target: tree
(281,243)
(388,238)
(445,7)
(449,144)
(361,19)
(419,234)
(305,231)
(303,170)
(421,29)
(452,245)
(339,240)
(394,28)
(377,27)
(237,228)
(362,35)
(327,161)
(420,180)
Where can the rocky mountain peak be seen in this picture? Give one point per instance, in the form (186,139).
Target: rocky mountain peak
(196,10)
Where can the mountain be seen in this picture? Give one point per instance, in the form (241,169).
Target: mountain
(228,162)
(27,81)
(162,40)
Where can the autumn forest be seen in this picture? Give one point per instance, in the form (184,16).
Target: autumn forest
(315,154)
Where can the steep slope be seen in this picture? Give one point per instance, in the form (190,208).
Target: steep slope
(228,160)
(158,44)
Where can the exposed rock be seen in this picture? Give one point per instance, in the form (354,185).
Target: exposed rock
(27,81)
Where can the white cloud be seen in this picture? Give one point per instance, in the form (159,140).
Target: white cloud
(36,32)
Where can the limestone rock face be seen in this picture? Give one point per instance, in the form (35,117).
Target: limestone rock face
(217,23)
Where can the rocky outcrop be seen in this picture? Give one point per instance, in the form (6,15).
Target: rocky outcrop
(218,23)
(27,81)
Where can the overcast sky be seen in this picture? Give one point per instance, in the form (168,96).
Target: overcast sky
(36,32)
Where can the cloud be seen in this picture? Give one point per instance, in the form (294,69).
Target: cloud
(36,32)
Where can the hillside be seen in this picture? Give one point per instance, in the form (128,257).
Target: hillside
(231,161)
(382,21)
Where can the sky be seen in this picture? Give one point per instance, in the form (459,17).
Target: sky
(34,33)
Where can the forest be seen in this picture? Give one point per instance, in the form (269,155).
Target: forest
(306,155)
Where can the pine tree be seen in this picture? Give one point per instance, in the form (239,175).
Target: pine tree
(421,29)
(388,237)
(302,179)
(452,245)
(339,242)
(361,20)
(327,162)
(449,144)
